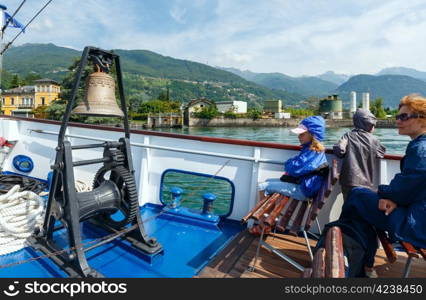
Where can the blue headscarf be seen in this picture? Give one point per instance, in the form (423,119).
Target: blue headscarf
(315,126)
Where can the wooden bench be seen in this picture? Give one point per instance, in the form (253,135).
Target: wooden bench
(282,213)
(329,261)
(412,251)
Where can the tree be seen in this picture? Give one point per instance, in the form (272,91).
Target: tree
(254,113)
(300,112)
(207,112)
(313,104)
(30,78)
(230,114)
(40,112)
(164,96)
(159,106)
(376,108)
(56,110)
(15,82)
(68,81)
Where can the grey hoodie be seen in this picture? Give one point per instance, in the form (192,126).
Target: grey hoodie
(360,152)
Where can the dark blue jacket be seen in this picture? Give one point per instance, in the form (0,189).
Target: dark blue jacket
(302,165)
(408,190)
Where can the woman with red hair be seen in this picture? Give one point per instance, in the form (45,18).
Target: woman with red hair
(398,207)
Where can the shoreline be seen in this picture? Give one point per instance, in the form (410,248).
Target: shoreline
(244,122)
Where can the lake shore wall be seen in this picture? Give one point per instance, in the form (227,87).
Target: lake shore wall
(244,122)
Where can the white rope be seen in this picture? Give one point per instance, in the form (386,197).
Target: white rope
(20,214)
(81,186)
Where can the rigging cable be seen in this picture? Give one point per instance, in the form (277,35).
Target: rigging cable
(23,29)
(11,18)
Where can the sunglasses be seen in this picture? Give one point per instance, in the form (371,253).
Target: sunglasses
(405,116)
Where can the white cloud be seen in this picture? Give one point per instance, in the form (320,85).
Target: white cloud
(178,13)
(292,37)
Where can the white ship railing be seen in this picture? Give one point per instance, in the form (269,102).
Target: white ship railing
(249,162)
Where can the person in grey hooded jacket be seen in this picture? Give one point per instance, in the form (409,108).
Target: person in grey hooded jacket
(360,151)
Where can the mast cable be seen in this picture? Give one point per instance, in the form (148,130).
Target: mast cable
(23,29)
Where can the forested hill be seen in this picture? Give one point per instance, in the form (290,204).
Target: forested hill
(146,74)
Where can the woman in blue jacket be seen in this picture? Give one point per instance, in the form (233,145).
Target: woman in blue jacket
(300,170)
(399,207)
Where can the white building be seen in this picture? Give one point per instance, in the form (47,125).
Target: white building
(238,107)
(282,115)
(352,109)
(366,101)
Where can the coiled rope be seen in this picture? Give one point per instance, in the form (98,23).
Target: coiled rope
(20,213)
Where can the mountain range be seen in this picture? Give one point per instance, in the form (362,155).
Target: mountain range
(389,87)
(146,74)
(305,86)
(391,84)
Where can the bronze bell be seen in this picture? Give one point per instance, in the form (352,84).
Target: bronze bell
(99,97)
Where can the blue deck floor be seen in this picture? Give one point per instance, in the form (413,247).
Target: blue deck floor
(188,247)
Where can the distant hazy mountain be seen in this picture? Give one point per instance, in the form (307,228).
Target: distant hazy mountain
(147,74)
(404,71)
(390,87)
(333,77)
(306,85)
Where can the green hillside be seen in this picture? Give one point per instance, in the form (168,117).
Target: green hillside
(47,60)
(389,87)
(146,74)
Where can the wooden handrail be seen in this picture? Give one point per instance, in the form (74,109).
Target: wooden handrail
(335,263)
(271,219)
(266,208)
(257,206)
(411,251)
(387,247)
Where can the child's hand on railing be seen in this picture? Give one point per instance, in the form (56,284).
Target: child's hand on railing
(387,206)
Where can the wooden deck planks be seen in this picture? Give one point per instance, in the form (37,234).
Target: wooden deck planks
(223,264)
(235,260)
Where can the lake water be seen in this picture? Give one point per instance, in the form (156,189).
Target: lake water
(389,137)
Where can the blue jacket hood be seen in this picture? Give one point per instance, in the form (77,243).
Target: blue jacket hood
(315,126)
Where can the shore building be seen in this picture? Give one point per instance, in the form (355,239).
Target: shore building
(331,107)
(22,100)
(165,120)
(238,107)
(272,106)
(366,101)
(352,109)
(195,105)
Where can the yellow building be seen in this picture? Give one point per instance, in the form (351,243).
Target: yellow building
(22,100)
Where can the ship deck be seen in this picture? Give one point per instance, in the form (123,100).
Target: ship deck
(234,261)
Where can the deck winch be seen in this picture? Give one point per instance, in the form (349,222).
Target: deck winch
(113,202)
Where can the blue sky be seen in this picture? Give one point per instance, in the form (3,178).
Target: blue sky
(295,37)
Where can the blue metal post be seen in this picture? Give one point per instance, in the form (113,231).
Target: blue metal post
(208,198)
(176,196)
